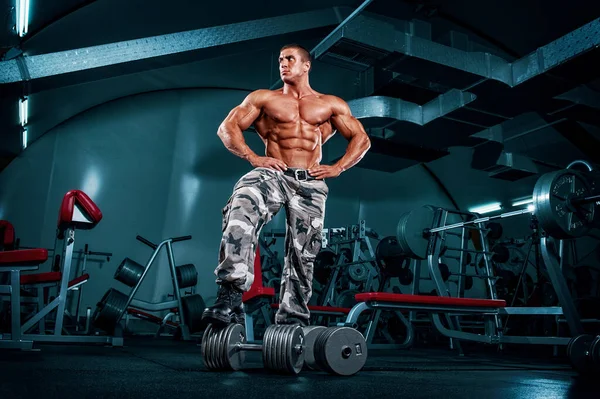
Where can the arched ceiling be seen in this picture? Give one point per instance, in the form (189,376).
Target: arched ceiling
(510,29)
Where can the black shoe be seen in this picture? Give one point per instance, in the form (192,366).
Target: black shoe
(228,307)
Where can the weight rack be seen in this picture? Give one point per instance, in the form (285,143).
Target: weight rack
(115,304)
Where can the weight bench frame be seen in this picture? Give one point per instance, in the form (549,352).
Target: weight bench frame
(441,306)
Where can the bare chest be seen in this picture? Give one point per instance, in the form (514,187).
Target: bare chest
(313,111)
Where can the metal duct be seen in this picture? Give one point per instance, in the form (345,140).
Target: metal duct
(388,110)
(40,66)
(371,41)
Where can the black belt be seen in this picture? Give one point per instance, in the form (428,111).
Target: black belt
(299,174)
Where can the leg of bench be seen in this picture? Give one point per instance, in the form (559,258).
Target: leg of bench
(15,305)
(352,318)
(249,321)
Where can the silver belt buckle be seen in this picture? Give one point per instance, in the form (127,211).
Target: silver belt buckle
(297,175)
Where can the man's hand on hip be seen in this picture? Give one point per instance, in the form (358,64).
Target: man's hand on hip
(268,162)
(325,171)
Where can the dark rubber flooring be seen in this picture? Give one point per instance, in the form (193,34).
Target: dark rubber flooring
(164,368)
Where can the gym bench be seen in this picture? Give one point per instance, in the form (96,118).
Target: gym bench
(77,212)
(450,306)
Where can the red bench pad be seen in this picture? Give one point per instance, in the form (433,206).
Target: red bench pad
(77,280)
(23,257)
(65,215)
(7,235)
(429,300)
(316,308)
(38,278)
(51,277)
(258,292)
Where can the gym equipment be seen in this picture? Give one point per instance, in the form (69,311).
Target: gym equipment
(446,273)
(77,212)
(187,275)
(7,236)
(114,304)
(346,262)
(282,348)
(310,337)
(336,350)
(563,203)
(340,351)
(390,257)
(129,272)
(584,354)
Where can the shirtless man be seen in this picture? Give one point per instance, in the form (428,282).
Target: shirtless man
(293,122)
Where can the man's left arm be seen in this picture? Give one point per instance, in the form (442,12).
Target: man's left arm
(353,131)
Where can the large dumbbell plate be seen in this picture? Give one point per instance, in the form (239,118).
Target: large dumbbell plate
(109,310)
(410,229)
(578,352)
(219,347)
(129,272)
(555,216)
(193,306)
(341,351)
(310,336)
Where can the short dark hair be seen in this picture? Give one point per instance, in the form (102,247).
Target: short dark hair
(303,51)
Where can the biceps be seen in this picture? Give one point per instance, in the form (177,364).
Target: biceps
(243,116)
(347,125)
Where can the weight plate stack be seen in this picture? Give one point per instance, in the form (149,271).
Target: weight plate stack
(283,350)
(410,229)
(219,347)
(187,275)
(310,336)
(340,351)
(129,272)
(109,310)
(193,306)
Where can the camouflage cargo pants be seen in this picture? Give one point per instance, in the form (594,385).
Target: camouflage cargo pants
(256,198)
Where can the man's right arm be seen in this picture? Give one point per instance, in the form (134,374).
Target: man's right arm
(231,130)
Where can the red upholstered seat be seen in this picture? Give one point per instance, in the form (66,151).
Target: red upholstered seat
(38,278)
(23,257)
(429,300)
(51,277)
(258,290)
(320,309)
(65,215)
(80,279)
(7,235)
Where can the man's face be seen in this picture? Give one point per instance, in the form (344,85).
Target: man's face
(291,65)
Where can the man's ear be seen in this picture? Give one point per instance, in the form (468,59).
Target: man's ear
(307,64)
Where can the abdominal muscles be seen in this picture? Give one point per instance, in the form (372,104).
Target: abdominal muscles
(298,144)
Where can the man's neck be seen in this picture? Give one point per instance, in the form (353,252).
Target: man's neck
(298,90)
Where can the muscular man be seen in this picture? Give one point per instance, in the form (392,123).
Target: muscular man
(293,122)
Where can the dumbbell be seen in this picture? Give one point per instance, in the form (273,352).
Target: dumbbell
(286,349)
(282,349)
(584,354)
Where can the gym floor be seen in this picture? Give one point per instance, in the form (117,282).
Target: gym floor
(162,367)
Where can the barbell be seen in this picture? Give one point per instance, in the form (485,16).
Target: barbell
(287,348)
(563,202)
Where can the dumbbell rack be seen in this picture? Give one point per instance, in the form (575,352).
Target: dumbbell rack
(355,236)
(549,253)
(115,304)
